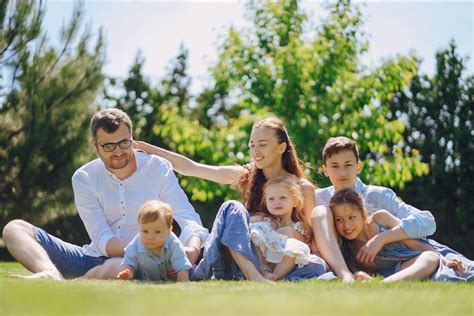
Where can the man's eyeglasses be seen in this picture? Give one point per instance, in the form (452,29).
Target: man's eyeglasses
(123,144)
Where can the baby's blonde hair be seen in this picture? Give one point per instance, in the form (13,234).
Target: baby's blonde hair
(153,210)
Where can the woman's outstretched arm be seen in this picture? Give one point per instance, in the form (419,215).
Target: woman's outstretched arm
(188,167)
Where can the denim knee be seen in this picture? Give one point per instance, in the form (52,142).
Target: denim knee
(232,206)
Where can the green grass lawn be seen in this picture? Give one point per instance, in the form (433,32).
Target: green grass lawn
(44,297)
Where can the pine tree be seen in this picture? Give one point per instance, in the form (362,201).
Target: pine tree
(47,97)
(440,123)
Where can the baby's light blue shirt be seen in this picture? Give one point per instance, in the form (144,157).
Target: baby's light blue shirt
(149,266)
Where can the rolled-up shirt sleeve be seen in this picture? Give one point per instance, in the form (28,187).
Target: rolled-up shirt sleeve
(131,254)
(415,223)
(419,225)
(189,221)
(91,212)
(179,260)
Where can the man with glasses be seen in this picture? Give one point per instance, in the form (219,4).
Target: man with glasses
(108,192)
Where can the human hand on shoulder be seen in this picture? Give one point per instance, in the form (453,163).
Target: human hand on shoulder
(142,146)
(137,144)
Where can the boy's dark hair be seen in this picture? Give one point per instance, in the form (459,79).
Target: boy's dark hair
(109,120)
(335,145)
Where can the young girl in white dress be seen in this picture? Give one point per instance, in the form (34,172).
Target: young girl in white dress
(281,232)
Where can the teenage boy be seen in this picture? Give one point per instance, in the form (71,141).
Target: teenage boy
(341,163)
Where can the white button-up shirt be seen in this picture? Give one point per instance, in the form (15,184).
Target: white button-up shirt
(415,223)
(109,206)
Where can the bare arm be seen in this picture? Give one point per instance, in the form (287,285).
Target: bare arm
(291,232)
(261,259)
(115,247)
(309,196)
(188,167)
(193,249)
(397,233)
(417,245)
(127,273)
(326,240)
(283,268)
(247,267)
(367,252)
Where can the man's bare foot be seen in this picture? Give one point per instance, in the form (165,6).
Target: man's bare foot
(52,275)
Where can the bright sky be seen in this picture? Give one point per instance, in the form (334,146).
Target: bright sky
(158,29)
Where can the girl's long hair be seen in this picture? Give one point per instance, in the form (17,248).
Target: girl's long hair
(351,197)
(251,184)
(297,215)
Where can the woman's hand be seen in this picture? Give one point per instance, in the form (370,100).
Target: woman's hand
(139,145)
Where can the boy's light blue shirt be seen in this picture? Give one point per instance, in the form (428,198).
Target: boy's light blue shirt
(149,266)
(415,223)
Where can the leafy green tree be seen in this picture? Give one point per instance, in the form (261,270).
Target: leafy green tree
(163,116)
(147,105)
(174,87)
(313,80)
(317,85)
(440,121)
(137,97)
(47,96)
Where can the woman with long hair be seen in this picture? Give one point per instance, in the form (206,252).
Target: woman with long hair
(273,154)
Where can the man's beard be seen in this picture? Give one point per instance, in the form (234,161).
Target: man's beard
(111,164)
